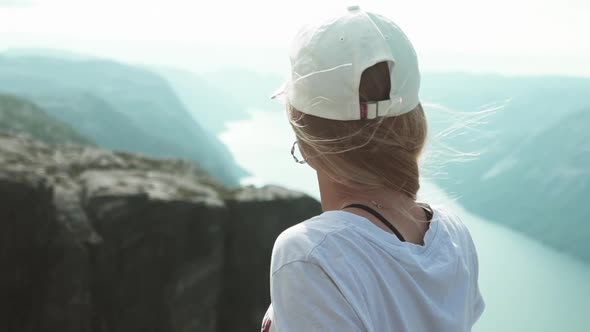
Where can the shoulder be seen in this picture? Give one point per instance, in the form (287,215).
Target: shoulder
(451,220)
(299,241)
(456,229)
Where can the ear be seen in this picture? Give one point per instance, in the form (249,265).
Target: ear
(309,160)
(312,164)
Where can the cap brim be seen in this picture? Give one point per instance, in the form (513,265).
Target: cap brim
(280,92)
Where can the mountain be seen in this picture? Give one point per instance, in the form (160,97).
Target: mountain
(210,106)
(46,53)
(522,164)
(118,106)
(215,98)
(248,88)
(18,115)
(541,186)
(545,99)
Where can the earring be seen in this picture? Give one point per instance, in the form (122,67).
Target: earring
(297,160)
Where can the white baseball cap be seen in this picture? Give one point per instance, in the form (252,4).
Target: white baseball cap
(328,59)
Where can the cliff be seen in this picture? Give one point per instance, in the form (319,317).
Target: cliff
(99,241)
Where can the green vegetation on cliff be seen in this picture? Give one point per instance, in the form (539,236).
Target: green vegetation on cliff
(19,115)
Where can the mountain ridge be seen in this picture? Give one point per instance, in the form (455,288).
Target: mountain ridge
(149,105)
(18,115)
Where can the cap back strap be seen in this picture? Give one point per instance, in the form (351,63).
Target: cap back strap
(372,109)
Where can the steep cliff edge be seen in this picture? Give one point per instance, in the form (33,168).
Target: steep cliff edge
(95,241)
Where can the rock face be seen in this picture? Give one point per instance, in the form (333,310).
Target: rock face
(98,241)
(27,232)
(256,217)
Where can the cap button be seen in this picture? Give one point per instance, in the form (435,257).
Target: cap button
(353,8)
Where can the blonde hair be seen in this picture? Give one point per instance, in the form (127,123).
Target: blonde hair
(366,154)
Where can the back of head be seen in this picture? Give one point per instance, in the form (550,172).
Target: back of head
(353,102)
(366,154)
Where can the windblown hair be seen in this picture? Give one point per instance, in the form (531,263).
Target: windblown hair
(366,154)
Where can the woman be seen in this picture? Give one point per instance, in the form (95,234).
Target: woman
(375,259)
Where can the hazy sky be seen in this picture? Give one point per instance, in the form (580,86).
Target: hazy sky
(510,36)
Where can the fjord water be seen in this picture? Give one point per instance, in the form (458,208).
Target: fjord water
(527,286)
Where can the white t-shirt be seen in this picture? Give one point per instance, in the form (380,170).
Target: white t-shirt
(340,272)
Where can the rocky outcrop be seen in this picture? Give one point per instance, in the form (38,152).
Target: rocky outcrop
(27,232)
(98,241)
(256,216)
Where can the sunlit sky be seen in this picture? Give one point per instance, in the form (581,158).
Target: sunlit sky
(505,36)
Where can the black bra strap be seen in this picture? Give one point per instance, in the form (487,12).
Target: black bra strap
(427,210)
(378,216)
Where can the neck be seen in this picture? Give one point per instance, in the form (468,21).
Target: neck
(335,196)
